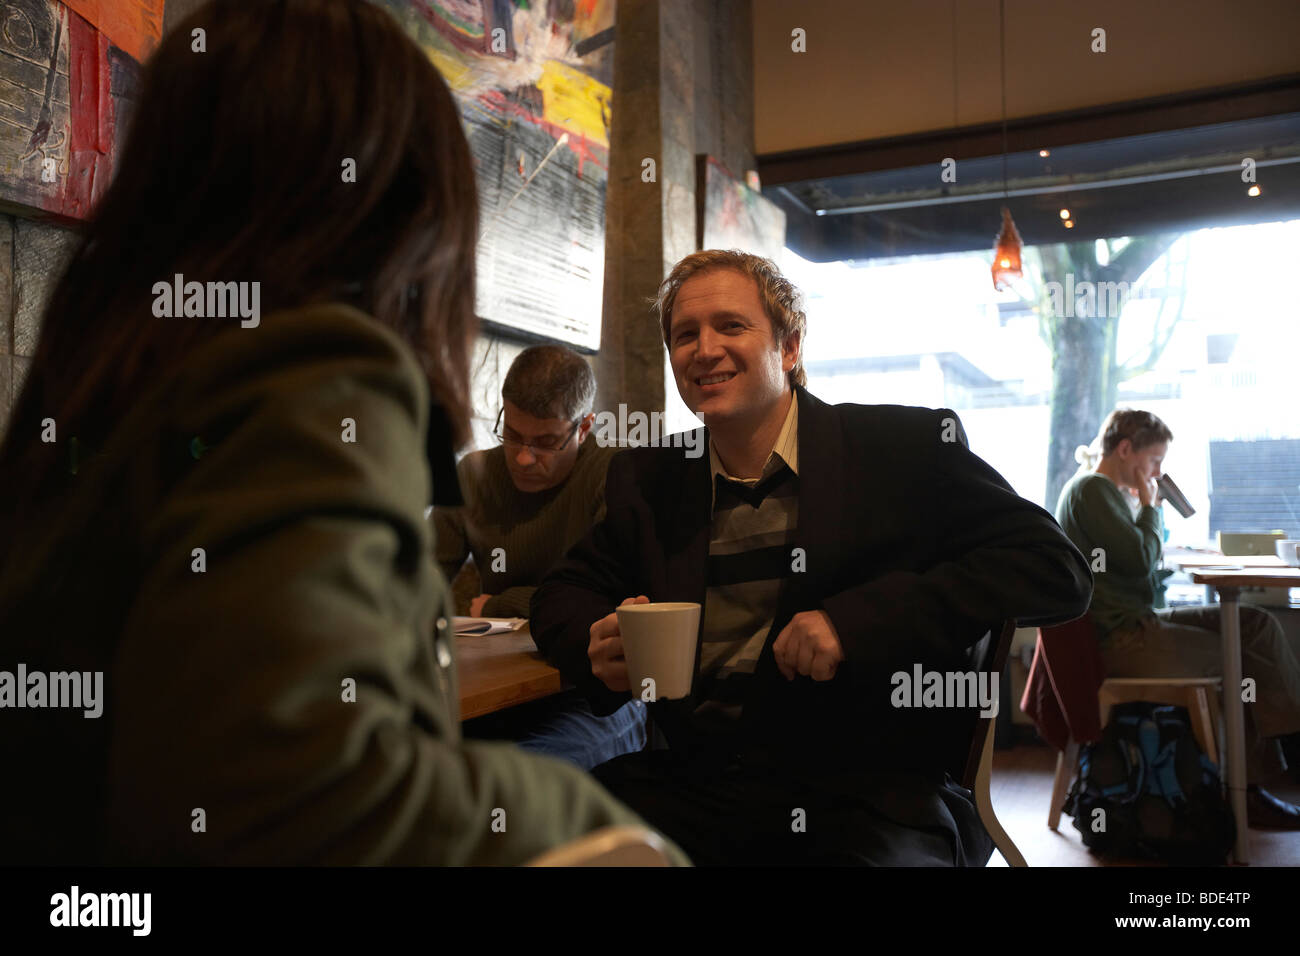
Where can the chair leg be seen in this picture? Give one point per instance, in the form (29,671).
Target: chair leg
(984,805)
(1066,761)
(1216,720)
(1207,734)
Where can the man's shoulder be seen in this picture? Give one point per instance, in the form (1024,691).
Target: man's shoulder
(591,467)
(893,423)
(1088,483)
(597,456)
(1086,489)
(900,416)
(671,456)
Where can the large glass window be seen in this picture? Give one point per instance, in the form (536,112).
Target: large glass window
(1204,331)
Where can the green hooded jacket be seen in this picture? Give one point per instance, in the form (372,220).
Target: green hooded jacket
(279,682)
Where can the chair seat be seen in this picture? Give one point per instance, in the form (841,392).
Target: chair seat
(1200,695)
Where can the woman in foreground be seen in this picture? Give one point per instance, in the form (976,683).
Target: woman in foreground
(220,465)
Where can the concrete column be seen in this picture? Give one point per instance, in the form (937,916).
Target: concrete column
(682,86)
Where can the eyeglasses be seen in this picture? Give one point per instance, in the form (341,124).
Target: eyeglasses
(546,445)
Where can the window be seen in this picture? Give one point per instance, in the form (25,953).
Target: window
(1207,336)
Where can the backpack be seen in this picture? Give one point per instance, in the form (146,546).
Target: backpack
(1161,796)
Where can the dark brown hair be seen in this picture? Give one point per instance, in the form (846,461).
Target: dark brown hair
(780,298)
(1140,428)
(233,171)
(550,381)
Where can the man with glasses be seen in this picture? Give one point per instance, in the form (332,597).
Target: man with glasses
(527,501)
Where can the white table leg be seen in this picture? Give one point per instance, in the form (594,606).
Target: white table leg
(1234,717)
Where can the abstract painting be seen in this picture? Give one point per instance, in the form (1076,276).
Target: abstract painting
(533,80)
(731,215)
(68,78)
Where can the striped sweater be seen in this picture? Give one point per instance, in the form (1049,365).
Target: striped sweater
(750,541)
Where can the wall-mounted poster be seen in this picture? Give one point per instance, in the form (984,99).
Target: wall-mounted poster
(730,215)
(69,74)
(533,82)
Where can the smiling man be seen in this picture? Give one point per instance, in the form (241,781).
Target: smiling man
(830,547)
(527,501)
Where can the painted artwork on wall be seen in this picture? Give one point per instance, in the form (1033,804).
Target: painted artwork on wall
(533,80)
(731,215)
(69,73)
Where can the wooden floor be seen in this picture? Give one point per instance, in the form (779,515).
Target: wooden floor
(1021,789)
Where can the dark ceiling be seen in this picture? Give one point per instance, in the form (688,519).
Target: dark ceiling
(1173,180)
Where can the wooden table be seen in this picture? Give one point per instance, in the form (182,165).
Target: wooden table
(1188,562)
(1229,585)
(1193,562)
(496,671)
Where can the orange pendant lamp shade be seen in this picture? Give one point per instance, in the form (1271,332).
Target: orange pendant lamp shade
(1006,254)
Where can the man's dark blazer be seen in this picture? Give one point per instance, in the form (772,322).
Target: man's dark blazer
(912,545)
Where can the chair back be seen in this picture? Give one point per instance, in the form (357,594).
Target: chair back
(988,655)
(1061,692)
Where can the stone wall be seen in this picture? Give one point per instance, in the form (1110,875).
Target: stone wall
(32,255)
(723,83)
(682,87)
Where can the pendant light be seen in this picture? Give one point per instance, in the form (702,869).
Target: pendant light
(1006,250)
(1006,254)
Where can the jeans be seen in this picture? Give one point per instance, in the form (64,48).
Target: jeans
(563,726)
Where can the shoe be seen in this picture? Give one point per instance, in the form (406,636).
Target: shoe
(1266,812)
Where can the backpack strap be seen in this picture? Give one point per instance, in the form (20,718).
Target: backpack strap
(1160,758)
(1134,768)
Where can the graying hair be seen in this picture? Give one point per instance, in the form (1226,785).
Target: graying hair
(550,381)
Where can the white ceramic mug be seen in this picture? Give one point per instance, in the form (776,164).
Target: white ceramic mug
(1289,551)
(659,644)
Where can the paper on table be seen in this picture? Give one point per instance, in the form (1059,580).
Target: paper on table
(476,626)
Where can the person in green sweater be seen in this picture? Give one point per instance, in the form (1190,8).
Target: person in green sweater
(527,501)
(535,493)
(223,523)
(1111,512)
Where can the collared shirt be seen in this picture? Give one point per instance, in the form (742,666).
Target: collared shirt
(785,450)
(749,559)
